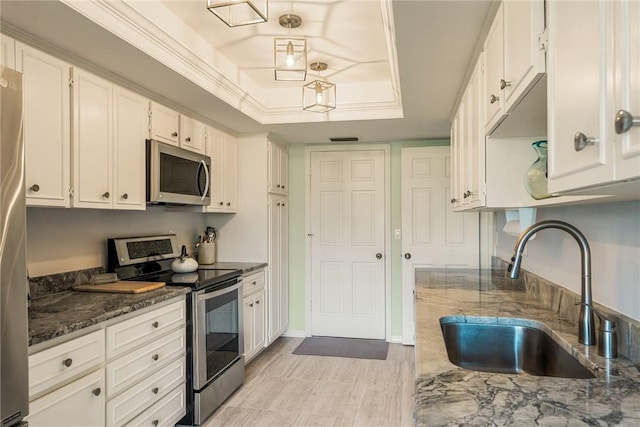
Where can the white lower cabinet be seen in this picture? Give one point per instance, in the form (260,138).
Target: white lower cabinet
(80,403)
(254,306)
(128,372)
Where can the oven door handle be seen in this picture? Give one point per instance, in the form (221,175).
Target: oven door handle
(205,296)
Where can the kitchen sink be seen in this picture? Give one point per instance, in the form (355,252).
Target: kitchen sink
(508,349)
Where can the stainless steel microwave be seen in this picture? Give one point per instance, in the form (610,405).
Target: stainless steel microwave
(177,176)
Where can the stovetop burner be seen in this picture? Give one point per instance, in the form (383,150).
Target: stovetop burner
(149,259)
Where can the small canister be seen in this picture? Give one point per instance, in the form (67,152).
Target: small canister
(207,253)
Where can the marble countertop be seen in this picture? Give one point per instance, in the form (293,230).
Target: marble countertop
(447,395)
(60,313)
(246,267)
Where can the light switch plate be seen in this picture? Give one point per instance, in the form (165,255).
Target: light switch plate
(397,234)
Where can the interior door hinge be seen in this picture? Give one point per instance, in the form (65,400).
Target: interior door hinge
(543,40)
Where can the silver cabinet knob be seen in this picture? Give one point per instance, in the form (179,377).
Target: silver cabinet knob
(155,423)
(453,200)
(379,255)
(283,186)
(125,196)
(221,203)
(35,188)
(407,256)
(67,362)
(155,325)
(155,357)
(188,139)
(251,305)
(106,195)
(257,301)
(155,390)
(580,141)
(625,121)
(228,203)
(504,83)
(96,391)
(493,99)
(174,134)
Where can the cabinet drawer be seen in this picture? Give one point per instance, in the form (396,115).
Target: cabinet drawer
(138,398)
(132,367)
(253,282)
(134,332)
(55,365)
(80,403)
(165,413)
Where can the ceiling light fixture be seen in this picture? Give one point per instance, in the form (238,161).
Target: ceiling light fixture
(290,54)
(239,12)
(319,96)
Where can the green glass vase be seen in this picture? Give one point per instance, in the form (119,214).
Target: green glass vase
(536,177)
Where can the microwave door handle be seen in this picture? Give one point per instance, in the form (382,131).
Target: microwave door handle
(207,181)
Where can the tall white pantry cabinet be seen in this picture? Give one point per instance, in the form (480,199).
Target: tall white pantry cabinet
(258,232)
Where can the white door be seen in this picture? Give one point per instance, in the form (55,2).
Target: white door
(432,234)
(347,244)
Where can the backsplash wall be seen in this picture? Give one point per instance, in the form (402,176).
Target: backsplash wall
(613,233)
(61,240)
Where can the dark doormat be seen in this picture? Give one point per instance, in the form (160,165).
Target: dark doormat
(354,348)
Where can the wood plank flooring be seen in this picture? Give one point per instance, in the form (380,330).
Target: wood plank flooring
(284,389)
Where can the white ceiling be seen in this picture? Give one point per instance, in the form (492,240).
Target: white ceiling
(398,66)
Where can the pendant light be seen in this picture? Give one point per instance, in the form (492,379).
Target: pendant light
(319,96)
(290,54)
(239,12)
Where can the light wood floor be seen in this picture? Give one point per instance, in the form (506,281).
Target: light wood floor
(285,389)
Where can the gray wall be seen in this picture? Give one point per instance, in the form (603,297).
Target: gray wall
(613,232)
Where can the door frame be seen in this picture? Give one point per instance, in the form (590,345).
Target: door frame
(387,225)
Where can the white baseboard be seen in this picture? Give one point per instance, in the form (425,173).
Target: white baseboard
(295,333)
(396,339)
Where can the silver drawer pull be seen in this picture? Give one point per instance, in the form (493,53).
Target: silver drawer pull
(504,83)
(35,188)
(624,121)
(125,196)
(106,195)
(67,362)
(251,305)
(96,391)
(188,139)
(155,357)
(257,301)
(154,423)
(155,324)
(493,99)
(174,134)
(580,141)
(155,390)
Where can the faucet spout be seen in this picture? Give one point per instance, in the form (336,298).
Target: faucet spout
(586,323)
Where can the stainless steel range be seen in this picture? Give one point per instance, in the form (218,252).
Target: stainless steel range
(215,338)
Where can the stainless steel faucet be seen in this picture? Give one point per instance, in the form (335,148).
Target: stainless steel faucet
(586,323)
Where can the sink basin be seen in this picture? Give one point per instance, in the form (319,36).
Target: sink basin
(508,349)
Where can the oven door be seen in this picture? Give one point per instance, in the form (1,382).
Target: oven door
(218,340)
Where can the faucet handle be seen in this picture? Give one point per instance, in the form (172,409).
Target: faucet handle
(607,337)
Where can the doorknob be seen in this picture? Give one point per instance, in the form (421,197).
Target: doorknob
(379,255)
(407,256)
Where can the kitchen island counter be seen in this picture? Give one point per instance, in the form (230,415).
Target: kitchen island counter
(449,395)
(61,313)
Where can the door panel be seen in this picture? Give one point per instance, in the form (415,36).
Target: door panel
(347,274)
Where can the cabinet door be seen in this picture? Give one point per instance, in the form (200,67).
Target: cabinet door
(92,141)
(192,134)
(231,173)
(7,52)
(283,244)
(274,269)
(46,130)
(456,162)
(259,311)
(627,94)
(494,70)
(475,142)
(277,169)
(80,403)
(580,71)
(165,124)
(524,59)
(129,128)
(247,316)
(223,151)
(284,171)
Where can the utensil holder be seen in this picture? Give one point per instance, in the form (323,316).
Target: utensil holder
(207,253)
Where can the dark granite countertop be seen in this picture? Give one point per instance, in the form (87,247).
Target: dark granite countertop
(60,313)
(447,395)
(246,267)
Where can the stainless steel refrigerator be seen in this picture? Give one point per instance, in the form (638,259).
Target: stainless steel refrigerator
(14,381)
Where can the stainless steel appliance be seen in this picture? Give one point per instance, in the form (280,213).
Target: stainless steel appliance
(14,336)
(177,176)
(215,364)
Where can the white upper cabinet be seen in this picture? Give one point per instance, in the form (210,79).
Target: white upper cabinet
(192,134)
(7,51)
(222,149)
(165,124)
(46,97)
(278,169)
(514,53)
(109,125)
(173,128)
(592,75)
(131,121)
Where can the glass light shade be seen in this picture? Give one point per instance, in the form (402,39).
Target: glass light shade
(319,96)
(290,58)
(239,12)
